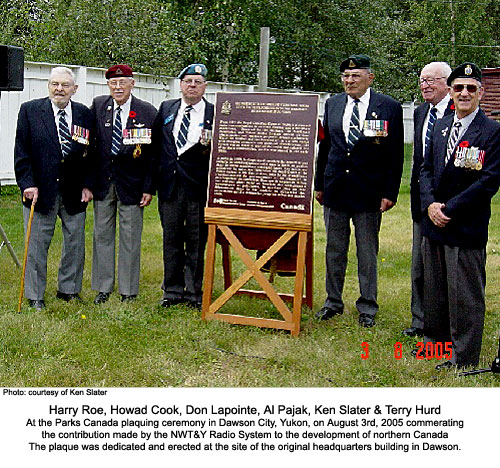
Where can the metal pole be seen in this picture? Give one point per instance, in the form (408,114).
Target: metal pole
(9,247)
(264,58)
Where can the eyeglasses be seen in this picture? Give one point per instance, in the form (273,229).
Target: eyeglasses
(471,88)
(193,82)
(352,76)
(55,84)
(430,81)
(118,83)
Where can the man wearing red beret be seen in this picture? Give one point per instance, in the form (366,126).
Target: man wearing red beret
(123,185)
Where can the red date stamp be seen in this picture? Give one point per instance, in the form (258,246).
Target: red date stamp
(429,350)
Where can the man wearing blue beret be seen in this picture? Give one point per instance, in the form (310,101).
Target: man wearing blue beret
(181,139)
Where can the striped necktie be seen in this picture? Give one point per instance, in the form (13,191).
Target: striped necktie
(116,141)
(64,135)
(183,131)
(354,132)
(430,126)
(452,141)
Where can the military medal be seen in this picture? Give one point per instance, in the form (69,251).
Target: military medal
(137,151)
(80,134)
(205,136)
(375,128)
(469,157)
(136,136)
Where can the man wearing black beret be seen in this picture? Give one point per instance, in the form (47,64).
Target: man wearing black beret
(460,175)
(181,138)
(358,174)
(123,183)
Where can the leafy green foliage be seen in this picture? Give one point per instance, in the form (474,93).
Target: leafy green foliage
(309,37)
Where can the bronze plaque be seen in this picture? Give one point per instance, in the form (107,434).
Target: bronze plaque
(263,152)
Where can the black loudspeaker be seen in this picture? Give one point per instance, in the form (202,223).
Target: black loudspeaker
(11,68)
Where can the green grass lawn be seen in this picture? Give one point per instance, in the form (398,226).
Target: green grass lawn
(142,344)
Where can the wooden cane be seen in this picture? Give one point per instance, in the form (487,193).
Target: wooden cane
(26,244)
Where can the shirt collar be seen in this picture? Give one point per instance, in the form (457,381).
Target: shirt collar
(196,107)
(365,99)
(466,121)
(442,105)
(123,106)
(56,109)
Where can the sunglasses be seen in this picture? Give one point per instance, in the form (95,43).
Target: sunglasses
(471,88)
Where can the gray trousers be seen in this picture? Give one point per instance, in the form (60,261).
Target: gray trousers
(454,298)
(72,256)
(338,232)
(417,278)
(129,250)
(184,240)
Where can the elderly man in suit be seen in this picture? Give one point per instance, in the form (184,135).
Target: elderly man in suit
(437,104)
(123,183)
(460,175)
(52,171)
(181,135)
(358,174)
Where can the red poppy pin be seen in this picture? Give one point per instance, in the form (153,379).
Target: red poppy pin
(132,114)
(452,107)
(464,144)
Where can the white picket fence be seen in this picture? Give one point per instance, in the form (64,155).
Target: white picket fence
(91,83)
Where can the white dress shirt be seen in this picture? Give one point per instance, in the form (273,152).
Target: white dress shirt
(440,110)
(68,116)
(364,102)
(195,125)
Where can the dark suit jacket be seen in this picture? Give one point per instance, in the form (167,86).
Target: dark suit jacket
(191,167)
(131,176)
(38,159)
(356,181)
(466,193)
(419,116)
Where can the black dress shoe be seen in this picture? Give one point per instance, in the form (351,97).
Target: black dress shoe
(326,313)
(366,320)
(413,331)
(445,365)
(101,298)
(37,304)
(128,298)
(170,302)
(68,297)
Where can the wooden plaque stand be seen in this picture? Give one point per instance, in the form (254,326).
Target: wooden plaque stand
(229,227)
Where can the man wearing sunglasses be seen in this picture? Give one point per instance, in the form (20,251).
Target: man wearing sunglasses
(460,175)
(437,103)
(181,138)
(123,185)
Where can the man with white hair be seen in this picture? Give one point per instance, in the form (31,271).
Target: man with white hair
(437,104)
(52,171)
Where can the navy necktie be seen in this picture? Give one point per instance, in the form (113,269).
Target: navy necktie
(116,141)
(354,131)
(64,135)
(452,141)
(183,131)
(430,126)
